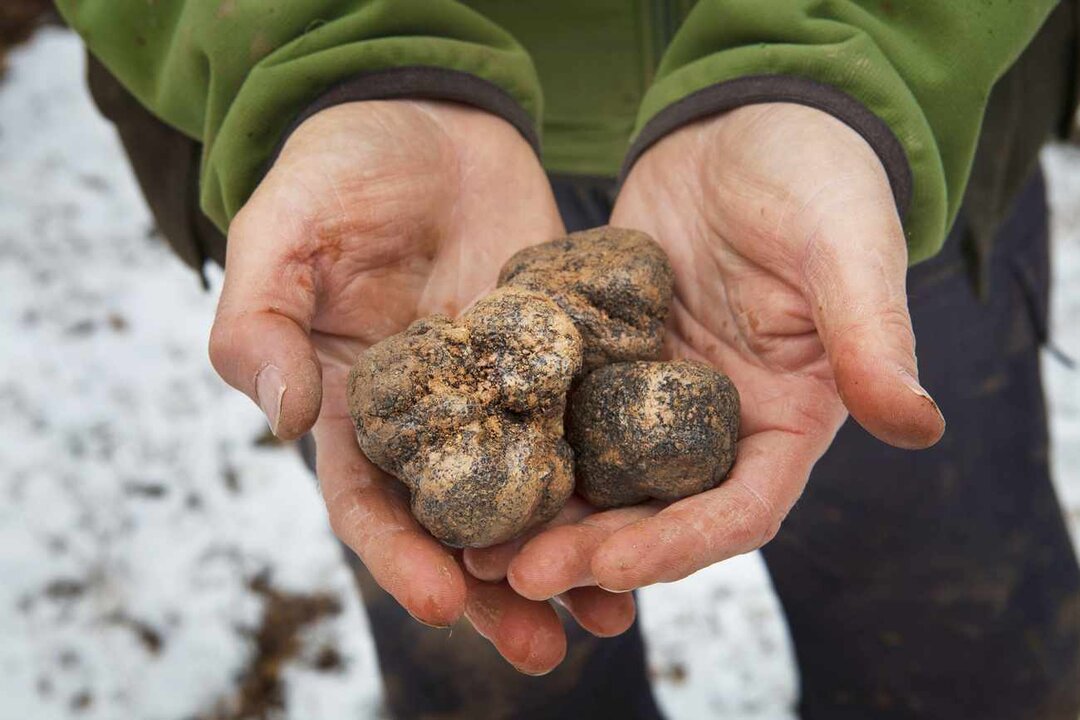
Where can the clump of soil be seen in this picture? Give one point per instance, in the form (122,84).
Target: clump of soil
(277,641)
(615,284)
(469,415)
(644,430)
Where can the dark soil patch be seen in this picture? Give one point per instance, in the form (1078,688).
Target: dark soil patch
(276,642)
(19,19)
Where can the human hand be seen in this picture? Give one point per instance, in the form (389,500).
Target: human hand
(790,265)
(373,215)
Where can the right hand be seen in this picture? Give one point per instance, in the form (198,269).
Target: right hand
(373,215)
(790,265)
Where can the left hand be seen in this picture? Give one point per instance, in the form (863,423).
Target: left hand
(790,265)
(375,214)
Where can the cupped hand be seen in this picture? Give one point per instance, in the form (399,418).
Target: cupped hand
(375,214)
(790,264)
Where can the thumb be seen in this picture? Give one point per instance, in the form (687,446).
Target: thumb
(854,276)
(259,343)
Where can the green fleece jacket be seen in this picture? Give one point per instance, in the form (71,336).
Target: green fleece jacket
(602,79)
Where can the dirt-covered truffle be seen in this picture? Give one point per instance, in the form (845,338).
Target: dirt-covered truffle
(469,415)
(644,430)
(616,284)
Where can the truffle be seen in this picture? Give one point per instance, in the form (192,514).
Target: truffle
(469,415)
(616,284)
(643,430)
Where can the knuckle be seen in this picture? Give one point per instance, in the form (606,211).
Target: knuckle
(772,528)
(242,225)
(347,511)
(895,320)
(759,519)
(220,345)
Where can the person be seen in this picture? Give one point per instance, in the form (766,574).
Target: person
(825,177)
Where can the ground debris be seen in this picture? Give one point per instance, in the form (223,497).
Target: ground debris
(146,633)
(674,673)
(81,701)
(64,589)
(276,642)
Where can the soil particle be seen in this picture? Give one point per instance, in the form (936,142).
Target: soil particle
(149,636)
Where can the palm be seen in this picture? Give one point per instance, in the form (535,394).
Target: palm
(376,214)
(740,300)
(789,263)
(448,195)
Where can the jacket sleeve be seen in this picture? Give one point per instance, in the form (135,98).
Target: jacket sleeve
(237,74)
(911,76)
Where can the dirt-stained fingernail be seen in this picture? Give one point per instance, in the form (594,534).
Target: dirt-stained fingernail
(531,673)
(914,386)
(270,388)
(430,625)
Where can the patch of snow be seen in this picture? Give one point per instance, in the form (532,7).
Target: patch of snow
(1062,165)
(131,488)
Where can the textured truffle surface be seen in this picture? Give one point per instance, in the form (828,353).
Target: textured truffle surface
(616,284)
(469,415)
(644,430)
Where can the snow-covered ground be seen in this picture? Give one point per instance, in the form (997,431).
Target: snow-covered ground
(139,499)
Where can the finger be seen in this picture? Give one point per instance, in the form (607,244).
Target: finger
(527,633)
(369,512)
(854,275)
(259,343)
(560,558)
(739,516)
(602,613)
(491,563)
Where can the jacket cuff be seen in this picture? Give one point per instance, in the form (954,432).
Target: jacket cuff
(420,83)
(758,89)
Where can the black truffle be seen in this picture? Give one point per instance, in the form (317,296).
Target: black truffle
(644,430)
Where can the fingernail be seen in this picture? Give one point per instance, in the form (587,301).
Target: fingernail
(616,591)
(530,673)
(914,386)
(534,642)
(430,625)
(270,387)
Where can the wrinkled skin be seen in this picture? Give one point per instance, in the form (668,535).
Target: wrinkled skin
(652,430)
(615,283)
(469,415)
(789,262)
(790,265)
(376,214)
